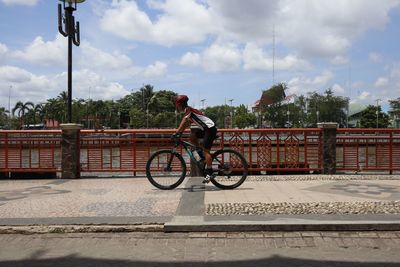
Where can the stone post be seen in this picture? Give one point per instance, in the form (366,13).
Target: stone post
(328,146)
(70,151)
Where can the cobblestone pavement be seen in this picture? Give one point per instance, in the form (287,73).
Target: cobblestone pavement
(203,249)
(85,198)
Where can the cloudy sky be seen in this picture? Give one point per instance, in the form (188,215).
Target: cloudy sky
(208,49)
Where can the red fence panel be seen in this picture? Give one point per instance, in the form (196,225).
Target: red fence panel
(30,151)
(368,150)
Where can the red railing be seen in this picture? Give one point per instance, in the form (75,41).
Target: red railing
(31,150)
(368,150)
(120,150)
(266,150)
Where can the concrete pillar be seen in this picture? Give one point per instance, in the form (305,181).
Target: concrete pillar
(328,146)
(70,151)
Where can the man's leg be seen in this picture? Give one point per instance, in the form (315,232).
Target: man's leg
(208,141)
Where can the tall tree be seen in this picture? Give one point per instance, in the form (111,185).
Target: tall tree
(243,118)
(21,109)
(3,117)
(369,118)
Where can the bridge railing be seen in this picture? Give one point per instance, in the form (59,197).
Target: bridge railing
(368,150)
(266,150)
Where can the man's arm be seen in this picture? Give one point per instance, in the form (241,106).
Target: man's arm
(184,124)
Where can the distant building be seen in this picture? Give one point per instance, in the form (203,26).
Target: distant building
(268,97)
(355,114)
(52,124)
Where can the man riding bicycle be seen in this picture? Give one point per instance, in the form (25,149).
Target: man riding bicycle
(207,131)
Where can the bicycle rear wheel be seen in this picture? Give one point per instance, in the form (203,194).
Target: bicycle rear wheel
(230,167)
(165,169)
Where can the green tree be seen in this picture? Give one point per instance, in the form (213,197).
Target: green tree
(243,118)
(3,117)
(370,120)
(137,118)
(219,114)
(274,113)
(394,111)
(21,109)
(326,108)
(164,120)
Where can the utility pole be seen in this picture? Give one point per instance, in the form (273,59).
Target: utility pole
(9,107)
(202,103)
(231,100)
(377,112)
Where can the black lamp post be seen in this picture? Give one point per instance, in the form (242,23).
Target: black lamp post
(70,30)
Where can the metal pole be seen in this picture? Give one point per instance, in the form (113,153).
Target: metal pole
(231,100)
(73,33)
(377,113)
(69,77)
(9,107)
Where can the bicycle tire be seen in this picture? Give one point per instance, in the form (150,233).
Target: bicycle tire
(158,174)
(231,174)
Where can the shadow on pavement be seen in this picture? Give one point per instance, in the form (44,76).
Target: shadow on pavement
(276,261)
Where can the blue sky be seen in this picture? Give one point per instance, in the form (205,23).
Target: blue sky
(208,49)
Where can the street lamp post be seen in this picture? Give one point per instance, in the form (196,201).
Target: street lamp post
(147,110)
(202,103)
(231,100)
(377,113)
(9,107)
(71,31)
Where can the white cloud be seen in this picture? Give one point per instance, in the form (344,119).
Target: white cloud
(45,53)
(375,57)
(25,85)
(256,59)
(3,49)
(329,27)
(311,28)
(95,58)
(364,95)
(3,53)
(157,69)
(190,59)
(100,88)
(337,89)
(180,22)
(303,85)
(222,57)
(340,60)
(382,82)
(20,2)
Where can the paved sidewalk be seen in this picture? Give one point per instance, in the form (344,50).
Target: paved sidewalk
(301,202)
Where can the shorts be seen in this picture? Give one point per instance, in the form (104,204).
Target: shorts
(208,136)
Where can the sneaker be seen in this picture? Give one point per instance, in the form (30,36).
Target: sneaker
(208,175)
(207,179)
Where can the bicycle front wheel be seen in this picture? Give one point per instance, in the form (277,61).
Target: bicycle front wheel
(231,169)
(166,169)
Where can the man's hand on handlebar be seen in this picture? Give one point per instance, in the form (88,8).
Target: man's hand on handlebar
(176,135)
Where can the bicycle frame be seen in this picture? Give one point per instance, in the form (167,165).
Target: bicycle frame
(187,146)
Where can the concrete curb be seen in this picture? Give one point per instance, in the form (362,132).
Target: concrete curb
(199,224)
(62,229)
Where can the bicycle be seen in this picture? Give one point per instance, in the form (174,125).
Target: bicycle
(166,168)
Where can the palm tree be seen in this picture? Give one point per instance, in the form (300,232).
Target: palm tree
(22,109)
(38,112)
(3,116)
